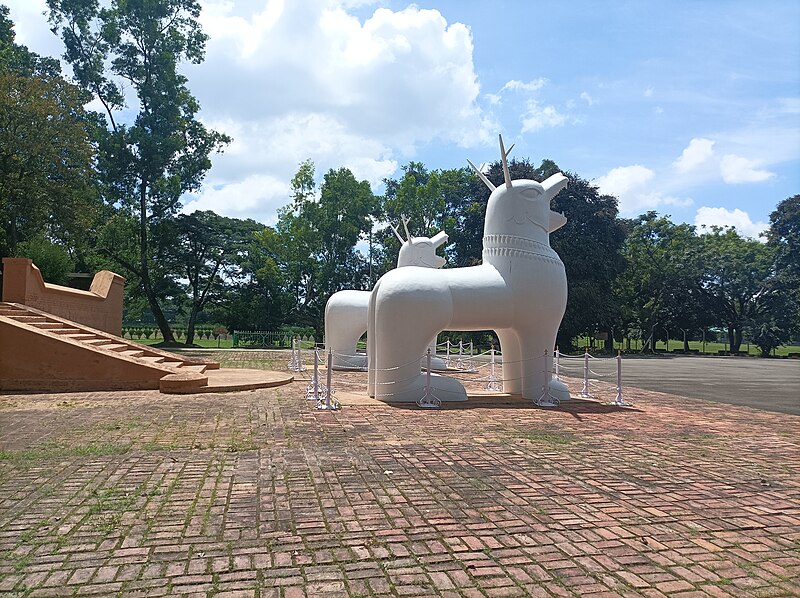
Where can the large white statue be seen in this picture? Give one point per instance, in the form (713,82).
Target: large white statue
(346,311)
(519,291)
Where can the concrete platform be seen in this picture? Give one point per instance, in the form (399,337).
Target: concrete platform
(235,380)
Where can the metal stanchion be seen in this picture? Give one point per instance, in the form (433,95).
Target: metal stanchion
(315,388)
(585,392)
(619,400)
(295,363)
(493,383)
(556,363)
(546,399)
(428,401)
(329,404)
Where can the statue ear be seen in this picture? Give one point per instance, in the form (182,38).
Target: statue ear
(556,221)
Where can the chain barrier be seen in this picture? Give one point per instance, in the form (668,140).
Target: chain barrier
(323,393)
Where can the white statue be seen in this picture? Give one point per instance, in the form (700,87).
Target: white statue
(346,311)
(519,291)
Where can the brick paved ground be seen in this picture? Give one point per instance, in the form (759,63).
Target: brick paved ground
(258,494)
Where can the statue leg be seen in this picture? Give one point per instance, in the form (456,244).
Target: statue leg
(371,341)
(408,308)
(345,323)
(537,360)
(512,361)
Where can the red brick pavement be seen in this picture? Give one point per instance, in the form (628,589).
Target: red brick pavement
(258,494)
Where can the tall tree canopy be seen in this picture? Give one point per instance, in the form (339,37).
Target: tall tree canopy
(150,161)
(658,288)
(314,244)
(47,174)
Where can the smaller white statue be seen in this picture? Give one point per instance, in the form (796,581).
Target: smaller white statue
(346,311)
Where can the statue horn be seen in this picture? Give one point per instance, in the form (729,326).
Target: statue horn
(482,176)
(405,226)
(504,156)
(397,234)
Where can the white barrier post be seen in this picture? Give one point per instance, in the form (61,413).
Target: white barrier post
(447,361)
(546,400)
(295,364)
(312,393)
(428,401)
(585,392)
(556,363)
(619,400)
(328,405)
(493,384)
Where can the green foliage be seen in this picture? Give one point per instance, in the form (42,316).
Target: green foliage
(311,253)
(738,282)
(52,259)
(207,248)
(660,284)
(47,170)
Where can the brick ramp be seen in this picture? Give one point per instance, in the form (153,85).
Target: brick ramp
(43,352)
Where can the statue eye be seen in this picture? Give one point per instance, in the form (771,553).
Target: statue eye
(530,192)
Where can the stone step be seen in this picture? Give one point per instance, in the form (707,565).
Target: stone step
(86,337)
(198,368)
(48,325)
(26,319)
(152,359)
(99,341)
(133,353)
(171,363)
(114,347)
(72,331)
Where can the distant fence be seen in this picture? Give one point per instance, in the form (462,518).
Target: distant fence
(269,339)
(154,333)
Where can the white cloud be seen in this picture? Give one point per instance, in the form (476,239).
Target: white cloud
(534,85)
(633,187)
(726,218)
(587,98)
(538,117)
(256,196)
(736,169)
(624,179)
(648,93)
(698,152)
(297,79)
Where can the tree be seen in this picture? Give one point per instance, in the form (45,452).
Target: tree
(659,286)
(738,281)
(149,163)
(47,173)
(315,241)
(784,237)
(208,249)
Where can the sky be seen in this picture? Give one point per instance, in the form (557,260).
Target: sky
(691,109)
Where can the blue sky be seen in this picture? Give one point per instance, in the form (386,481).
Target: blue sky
(688,108)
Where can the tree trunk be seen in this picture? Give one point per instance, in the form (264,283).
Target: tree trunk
(161,320)
(736,340)
(191,324)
